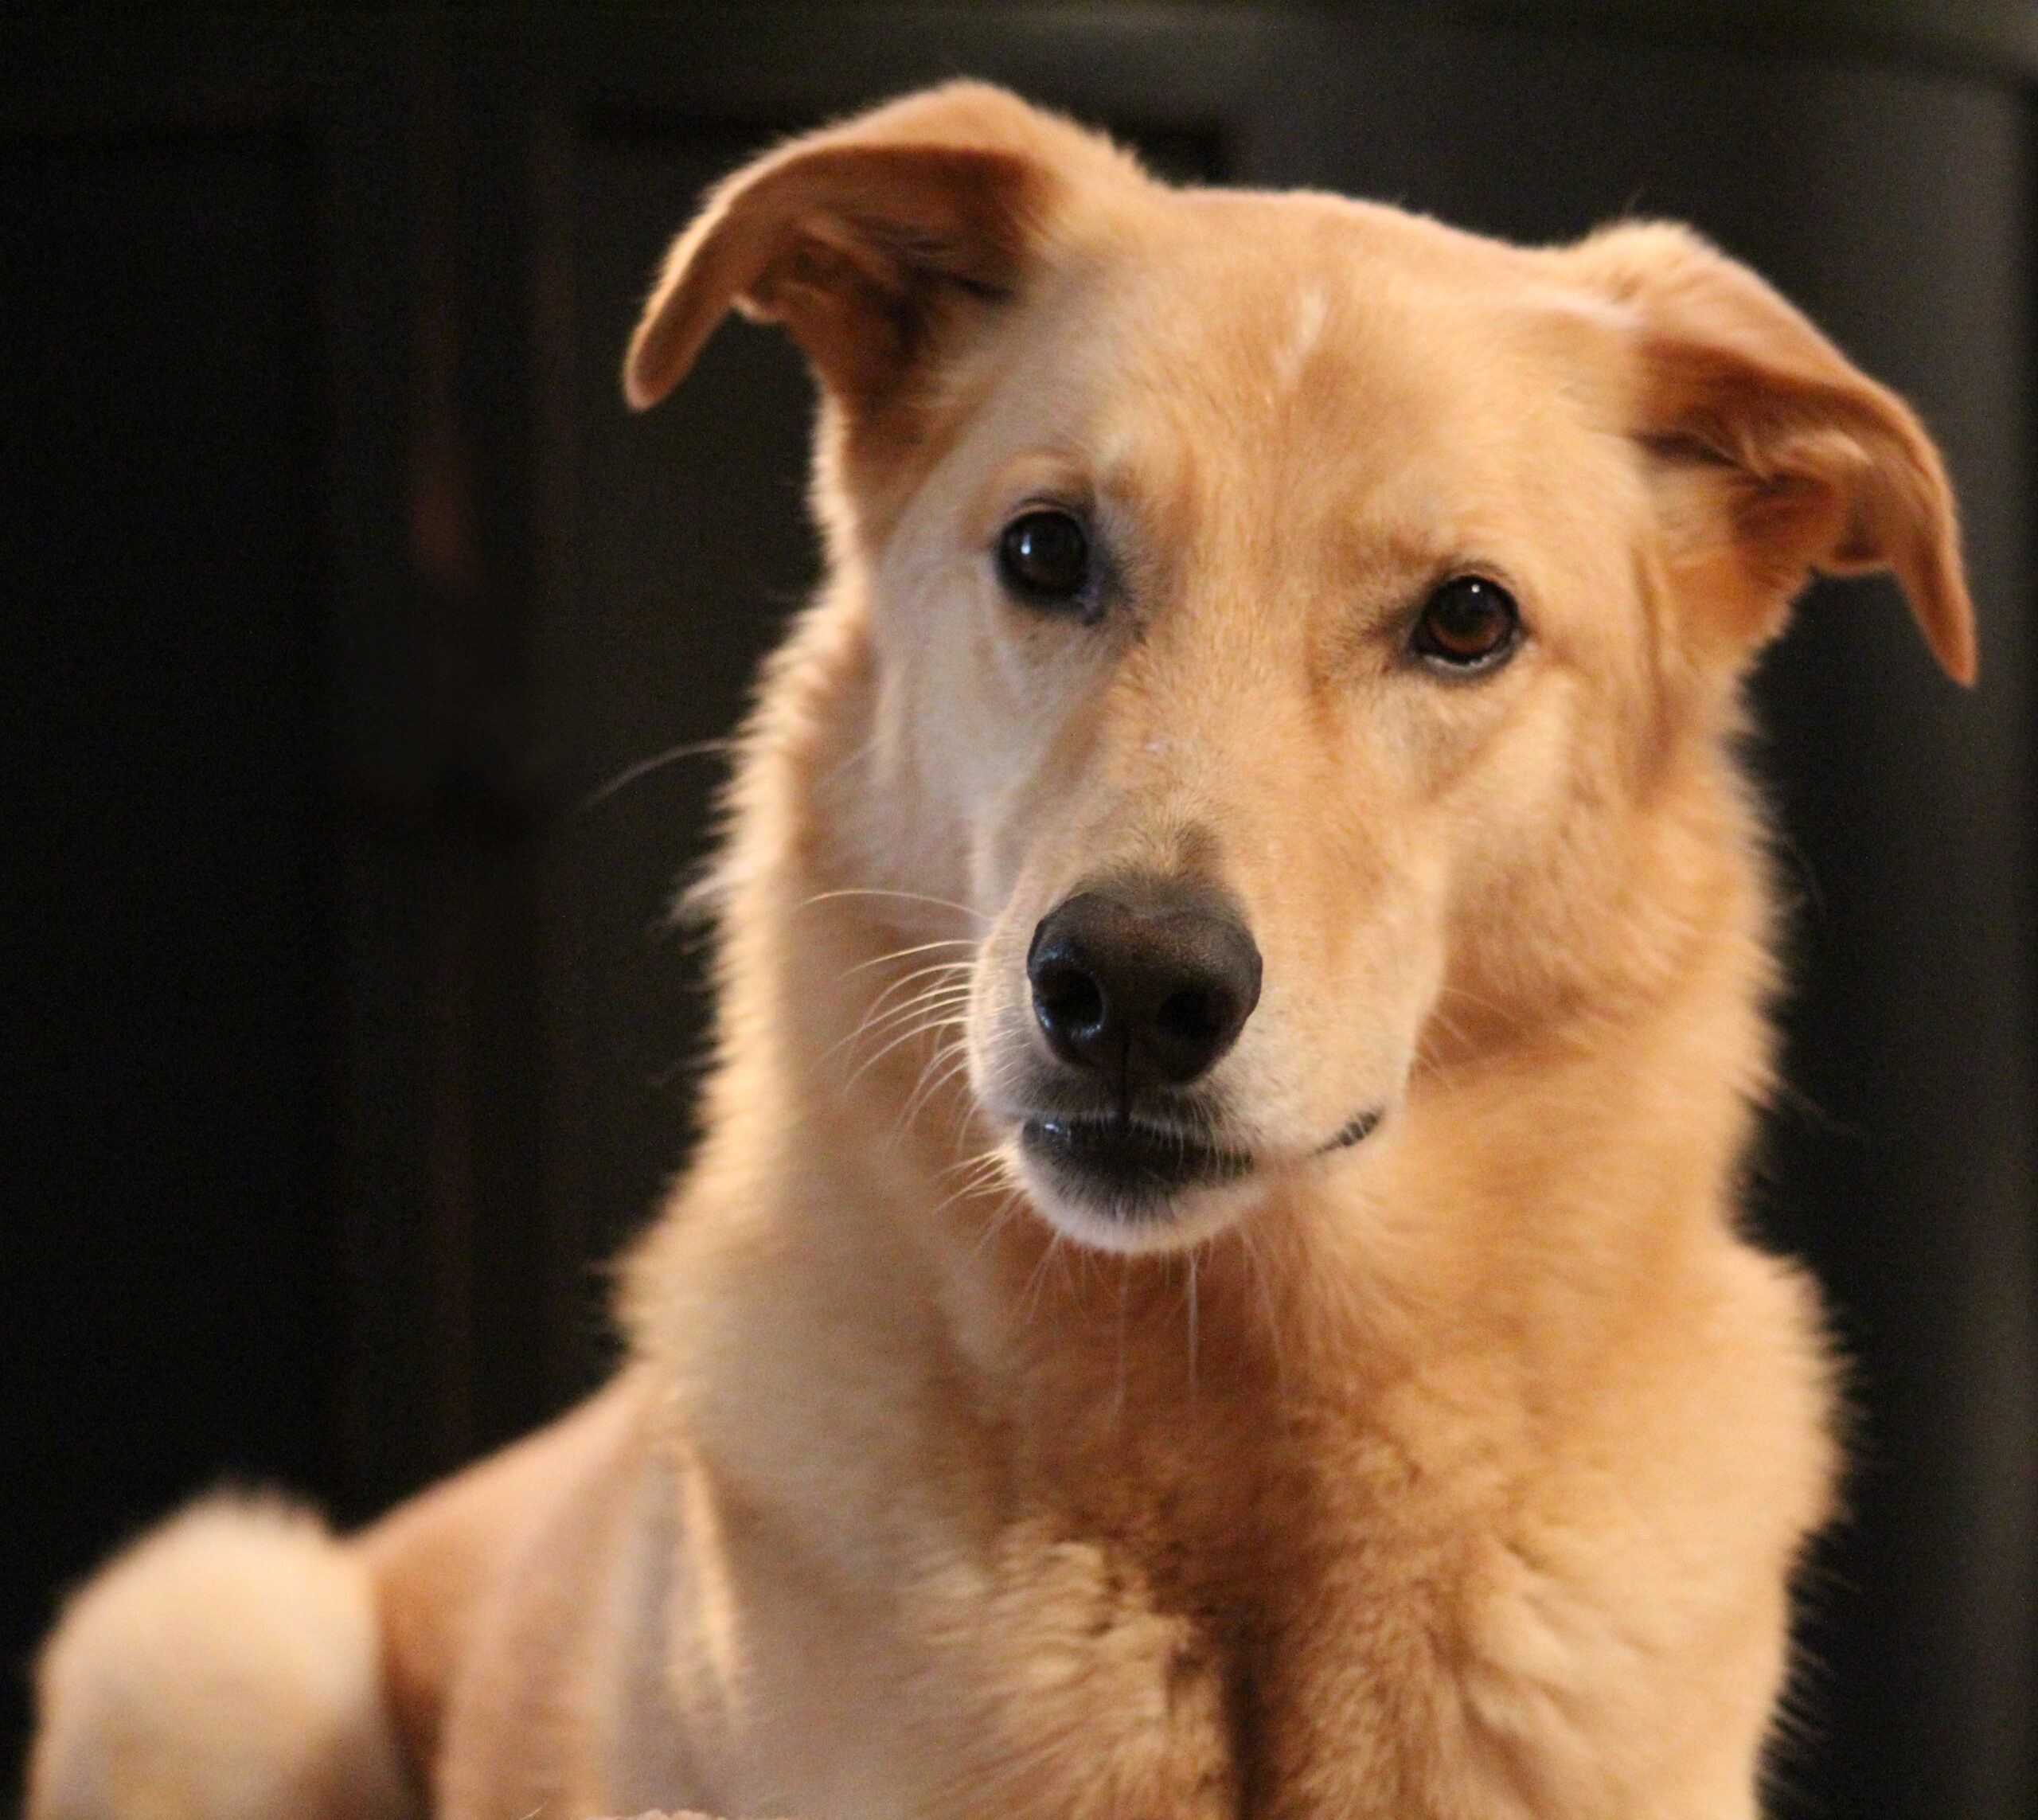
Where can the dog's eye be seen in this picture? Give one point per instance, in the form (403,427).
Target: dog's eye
(1469,623)
(1044,557)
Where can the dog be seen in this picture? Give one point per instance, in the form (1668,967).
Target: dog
(1212,1285)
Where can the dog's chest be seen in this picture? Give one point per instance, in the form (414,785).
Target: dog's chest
(1283,1680)
(1356,1637)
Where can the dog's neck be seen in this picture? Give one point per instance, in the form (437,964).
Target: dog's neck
(1513,1211)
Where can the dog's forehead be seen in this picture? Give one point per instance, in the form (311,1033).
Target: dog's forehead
(1239,321)
(1269,271)
(1236,359)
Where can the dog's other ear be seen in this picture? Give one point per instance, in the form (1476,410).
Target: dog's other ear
(1777,458)
(871,241)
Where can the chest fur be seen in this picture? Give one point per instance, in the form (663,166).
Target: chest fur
(1357,1627)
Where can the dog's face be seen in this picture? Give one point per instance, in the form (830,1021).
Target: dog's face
(1256,636)
(1285,612)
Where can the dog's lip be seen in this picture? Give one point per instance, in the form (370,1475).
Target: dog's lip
(1138,1160)
(1133,1159)
(1070,1131)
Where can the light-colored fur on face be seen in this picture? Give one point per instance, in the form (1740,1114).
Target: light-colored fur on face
(1452,1458)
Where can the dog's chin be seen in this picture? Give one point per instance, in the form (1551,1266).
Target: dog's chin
(1131,1187)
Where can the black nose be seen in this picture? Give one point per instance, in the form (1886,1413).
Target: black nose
(1148,985)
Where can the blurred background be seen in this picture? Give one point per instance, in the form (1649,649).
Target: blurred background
(346,611)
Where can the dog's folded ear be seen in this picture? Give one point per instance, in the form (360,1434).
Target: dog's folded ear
(1775,457)
(872,241)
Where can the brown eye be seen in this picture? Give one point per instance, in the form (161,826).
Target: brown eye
(1043,558)
(1470,623)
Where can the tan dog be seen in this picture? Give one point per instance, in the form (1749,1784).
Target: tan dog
(1212,1285)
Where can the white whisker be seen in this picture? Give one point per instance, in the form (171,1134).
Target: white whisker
(954,992)
(909,897)
(1000,1218)
(904,1036)
(942,1068)
(643,767)
(878,1017)
(917,948)
(1034,1282)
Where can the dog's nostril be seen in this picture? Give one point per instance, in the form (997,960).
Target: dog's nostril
(1069,996)
(1194,1016)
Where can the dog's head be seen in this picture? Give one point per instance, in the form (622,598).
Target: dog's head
(1304,635)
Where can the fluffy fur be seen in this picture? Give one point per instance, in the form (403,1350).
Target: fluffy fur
(228,1664)
(1459,1472)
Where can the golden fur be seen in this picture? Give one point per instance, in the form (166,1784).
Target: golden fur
(1458,1473)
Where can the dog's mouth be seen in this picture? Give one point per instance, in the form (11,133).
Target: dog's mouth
(1131,1167)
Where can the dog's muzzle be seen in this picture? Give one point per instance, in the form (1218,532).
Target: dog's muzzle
(1140,987)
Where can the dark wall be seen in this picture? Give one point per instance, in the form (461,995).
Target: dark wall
(349,610)
(161,1246)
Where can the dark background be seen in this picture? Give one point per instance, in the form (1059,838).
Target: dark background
(345,1039)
